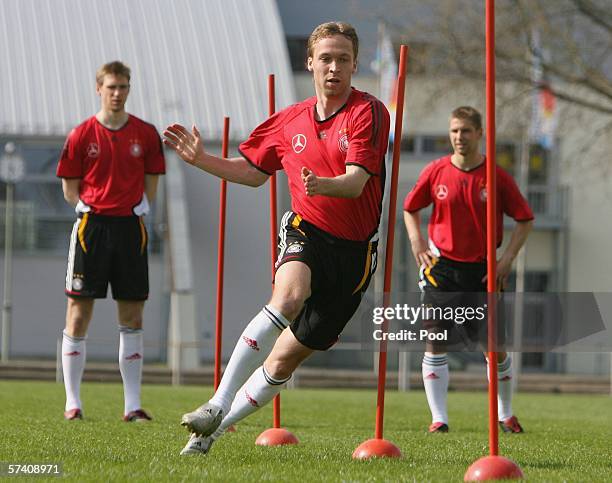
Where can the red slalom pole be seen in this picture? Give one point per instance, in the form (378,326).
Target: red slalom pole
(492,467)
(221,261)
(273,233)
(491,227)
(378,447)
(276,435)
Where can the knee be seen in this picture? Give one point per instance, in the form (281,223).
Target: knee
(130,314)
(77,321)
(289,303)
(132,321)
(76,327)
(279,369)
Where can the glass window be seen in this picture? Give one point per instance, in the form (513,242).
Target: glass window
(505,155)
(42,218)
(436,144)
(538,164)
(534,281)
(297,53)
(407,144)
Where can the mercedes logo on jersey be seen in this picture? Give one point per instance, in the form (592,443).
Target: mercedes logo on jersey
(299,143)
(441,191)
(93,150)
(135,150)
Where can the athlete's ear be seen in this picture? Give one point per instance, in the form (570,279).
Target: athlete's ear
(309,64)
(354,67)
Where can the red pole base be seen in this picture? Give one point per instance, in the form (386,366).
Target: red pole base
(231,429)
(376,448)
(276,437)
(493,468)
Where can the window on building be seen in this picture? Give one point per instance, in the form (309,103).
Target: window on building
(407,145)
(508,157)
(538,164)
(505,155)
(42,220)
(436,145)
(535,281)
(297,52)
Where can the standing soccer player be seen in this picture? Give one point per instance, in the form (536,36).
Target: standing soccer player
(109,169)
(332,147)
(455,258)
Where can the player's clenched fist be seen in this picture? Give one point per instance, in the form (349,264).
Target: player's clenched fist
(188,145)
(310,180)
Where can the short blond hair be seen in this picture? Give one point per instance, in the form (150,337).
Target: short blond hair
(115,67)
(470,114)
(329,29)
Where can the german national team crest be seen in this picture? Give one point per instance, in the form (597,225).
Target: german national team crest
(299,143)
(77,284)
(93,150)
(483,195)
(136,150)
(441,191)
(343,143)
(295,248)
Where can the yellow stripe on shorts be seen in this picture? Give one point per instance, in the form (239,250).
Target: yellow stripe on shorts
(143,236)
(429,275)
(82,226)
(366,272)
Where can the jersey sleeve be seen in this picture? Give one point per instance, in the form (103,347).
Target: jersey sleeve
(514,203)
(264,148)
(70,164)
(369,138)
(419,196)
(155,162)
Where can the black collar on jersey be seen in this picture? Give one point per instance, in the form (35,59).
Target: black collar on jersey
(335,113)
(119,128)
(484,161)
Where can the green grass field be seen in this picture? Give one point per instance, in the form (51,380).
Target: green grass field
(568,437)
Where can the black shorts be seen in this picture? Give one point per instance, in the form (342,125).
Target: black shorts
(340,273)
(107,249)
(458,287)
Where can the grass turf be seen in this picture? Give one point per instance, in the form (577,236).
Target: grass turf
(568,437)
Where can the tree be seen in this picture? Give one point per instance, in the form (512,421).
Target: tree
(575,41)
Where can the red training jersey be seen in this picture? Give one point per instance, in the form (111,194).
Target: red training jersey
(458,223)
(357,134)
(112,163)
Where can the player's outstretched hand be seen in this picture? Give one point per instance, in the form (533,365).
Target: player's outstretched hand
(310,180)
(188,145)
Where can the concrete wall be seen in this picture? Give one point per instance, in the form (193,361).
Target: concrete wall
(247,253)
(39,308)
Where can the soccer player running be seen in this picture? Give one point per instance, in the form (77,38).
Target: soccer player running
(109,168)
(332,148)
(455,258)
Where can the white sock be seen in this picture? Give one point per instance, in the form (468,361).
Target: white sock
(73,363)
(258,391)
(435,380)
(504,388)
(251,350)
(130,365)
